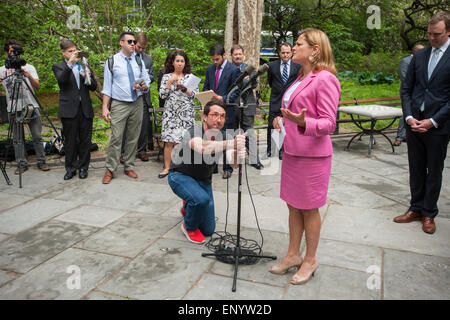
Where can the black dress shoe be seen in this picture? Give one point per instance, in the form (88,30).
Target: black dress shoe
(83,174)
(257,166)
(70,174)
(227,174)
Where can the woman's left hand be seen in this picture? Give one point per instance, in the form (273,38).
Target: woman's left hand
(298,118)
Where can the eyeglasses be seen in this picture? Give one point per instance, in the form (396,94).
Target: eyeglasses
(131,41)
(216,116)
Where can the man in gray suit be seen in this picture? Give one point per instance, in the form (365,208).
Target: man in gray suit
(402,69)
(146,135)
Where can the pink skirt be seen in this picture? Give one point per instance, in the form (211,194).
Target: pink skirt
(304,181)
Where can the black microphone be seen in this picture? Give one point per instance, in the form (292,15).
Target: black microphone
(262,69)
(246,72)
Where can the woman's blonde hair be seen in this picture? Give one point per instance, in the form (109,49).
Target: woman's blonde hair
(323,60)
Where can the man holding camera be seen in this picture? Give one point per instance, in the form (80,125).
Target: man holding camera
(25,98)
(125,81)
(75,108)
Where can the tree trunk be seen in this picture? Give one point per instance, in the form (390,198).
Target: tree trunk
(243,26)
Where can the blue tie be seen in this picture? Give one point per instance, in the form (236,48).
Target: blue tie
(76,73)
(131,79)
(285,73)
(433,62)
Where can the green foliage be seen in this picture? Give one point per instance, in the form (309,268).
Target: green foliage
(190,25)
(368,78)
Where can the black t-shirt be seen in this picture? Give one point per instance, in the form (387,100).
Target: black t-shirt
(192,163)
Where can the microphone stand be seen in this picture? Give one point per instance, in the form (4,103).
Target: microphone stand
(238,253)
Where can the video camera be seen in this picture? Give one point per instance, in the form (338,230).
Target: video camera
(15,61)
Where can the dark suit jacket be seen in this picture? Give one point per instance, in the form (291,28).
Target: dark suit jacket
(435,92)
(69,94)
(276,82)
(249,98)
(229,74)
(148,62)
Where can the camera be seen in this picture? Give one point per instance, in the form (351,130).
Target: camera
(15,61)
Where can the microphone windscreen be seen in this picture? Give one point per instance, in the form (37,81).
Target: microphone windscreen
(263,68)
(249,69)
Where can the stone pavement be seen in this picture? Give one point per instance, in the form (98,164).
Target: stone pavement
(80,239)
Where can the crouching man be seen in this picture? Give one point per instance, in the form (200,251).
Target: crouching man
(192,167)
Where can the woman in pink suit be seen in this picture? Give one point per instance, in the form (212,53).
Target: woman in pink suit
(308,111)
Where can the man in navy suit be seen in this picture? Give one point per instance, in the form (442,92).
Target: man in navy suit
(219,77)
(282,73)
(425,97)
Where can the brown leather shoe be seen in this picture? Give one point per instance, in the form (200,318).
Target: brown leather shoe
(143,157)
(107,177)
(428,225)
(131,173)
(408,216)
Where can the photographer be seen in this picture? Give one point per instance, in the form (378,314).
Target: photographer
(7,76)
(75,108)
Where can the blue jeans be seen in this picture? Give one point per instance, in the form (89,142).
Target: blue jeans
(199,199)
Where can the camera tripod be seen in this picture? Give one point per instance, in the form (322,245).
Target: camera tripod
(238,254)
(17,117)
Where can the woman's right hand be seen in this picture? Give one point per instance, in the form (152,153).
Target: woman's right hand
(276,123)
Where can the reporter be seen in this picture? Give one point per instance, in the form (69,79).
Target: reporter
(75,109)
(179,108)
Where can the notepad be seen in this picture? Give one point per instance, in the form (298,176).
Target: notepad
(278,137)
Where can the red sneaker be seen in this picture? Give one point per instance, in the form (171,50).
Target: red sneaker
(193,236)
(183,212)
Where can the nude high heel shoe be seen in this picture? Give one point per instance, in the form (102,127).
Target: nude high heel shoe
(302,280)
(282,269)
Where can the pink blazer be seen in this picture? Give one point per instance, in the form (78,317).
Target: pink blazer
(319,93)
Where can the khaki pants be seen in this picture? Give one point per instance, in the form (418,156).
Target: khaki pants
(124,115)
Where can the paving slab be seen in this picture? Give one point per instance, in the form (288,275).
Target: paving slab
(92,216)
(98,295)
(129,235)
(28,249)
(332,283)
(8,201)
(376,228)
(348,255)
(215,287)
(119,194)
(411,276)
(31,213)
(69,275)
(5,277)
(172,262)
(353,196)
